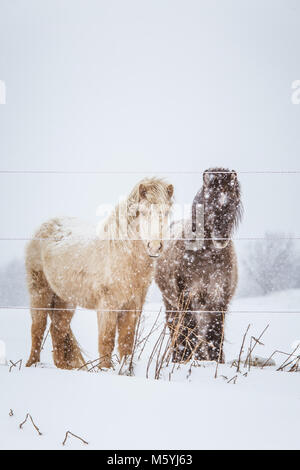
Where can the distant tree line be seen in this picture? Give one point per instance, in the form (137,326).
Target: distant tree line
(269,265)
(13,291)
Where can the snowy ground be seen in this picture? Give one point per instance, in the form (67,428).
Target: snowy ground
(187,408)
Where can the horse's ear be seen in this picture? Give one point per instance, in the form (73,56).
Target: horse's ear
(233,175)
(142,191)
(170,190)
(206,177)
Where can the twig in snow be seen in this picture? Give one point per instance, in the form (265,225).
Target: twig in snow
(284,364)
(242,349)
(233,379)
(100,361)
(257,341)
(269,358)
(135,342)
(69,433)
(122,364)
(34,425)
(160,360)
(296,361)
(221,347)
(295,368)
(11,413)
(92,363)
(87,364)
(149,334)
(45,339)
(153,353)
(172,371)
(14,364)
(273,354)
(190,369)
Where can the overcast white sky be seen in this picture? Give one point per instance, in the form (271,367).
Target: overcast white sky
(135,85)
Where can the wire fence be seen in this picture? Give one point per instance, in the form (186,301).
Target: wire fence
(103,172)
(152,239)
(167,172)
(71,309)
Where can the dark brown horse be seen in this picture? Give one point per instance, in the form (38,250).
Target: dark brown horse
(198,278)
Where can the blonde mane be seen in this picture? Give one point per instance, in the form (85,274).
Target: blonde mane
(118,225)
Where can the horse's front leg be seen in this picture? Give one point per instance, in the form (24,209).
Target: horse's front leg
(217,301)
(183,331)
(215,334)
(107,323)
(127,321)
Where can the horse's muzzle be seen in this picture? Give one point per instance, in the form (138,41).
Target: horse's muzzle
(220,242)
(154,248)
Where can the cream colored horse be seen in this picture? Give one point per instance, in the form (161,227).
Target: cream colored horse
(109,271)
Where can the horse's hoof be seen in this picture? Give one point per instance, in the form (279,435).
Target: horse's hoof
(31,362)
(105,369)
(106,366)
(128,373)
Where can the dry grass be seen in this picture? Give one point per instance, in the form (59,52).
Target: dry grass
(160,361)
(15,364)
(160,352)
(171,338)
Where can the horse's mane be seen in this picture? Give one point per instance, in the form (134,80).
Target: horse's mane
(118,225)
(199,198)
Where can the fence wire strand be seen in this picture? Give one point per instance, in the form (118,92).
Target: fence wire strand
(100,172)
(6,239)
(71,309)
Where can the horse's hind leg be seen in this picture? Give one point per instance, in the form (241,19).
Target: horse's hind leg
(41,298)
(107,324)
(39,322)
(66,351)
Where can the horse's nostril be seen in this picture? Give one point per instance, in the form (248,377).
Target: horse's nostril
(148,245)
(160,246)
